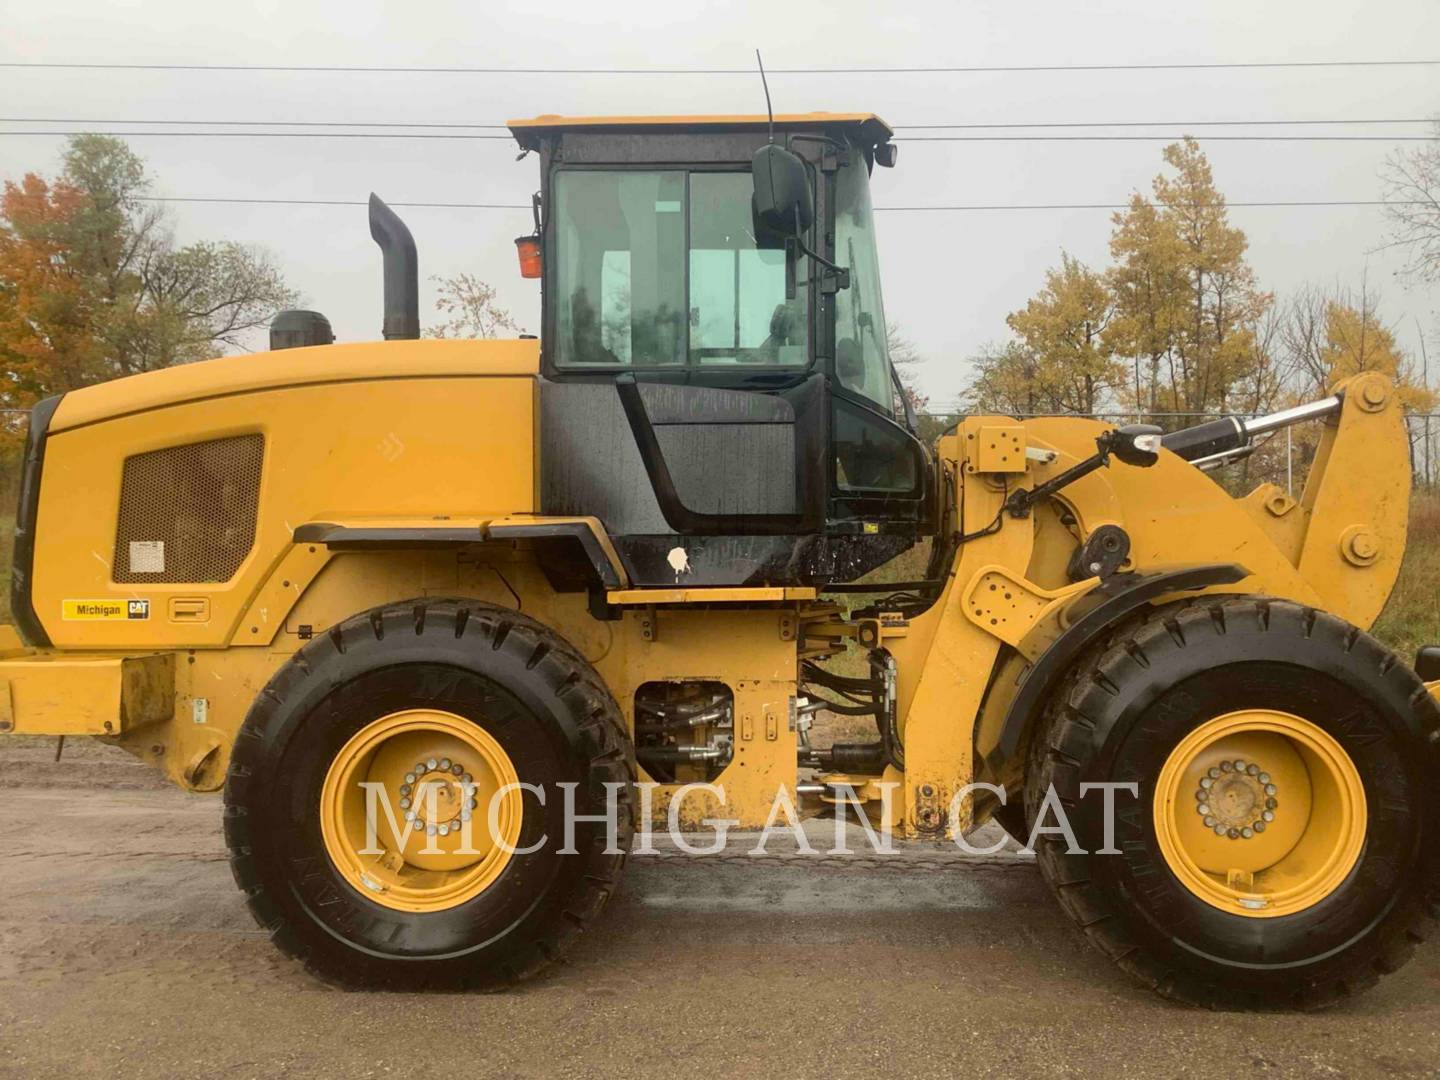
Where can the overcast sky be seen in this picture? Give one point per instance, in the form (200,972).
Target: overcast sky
(950,278)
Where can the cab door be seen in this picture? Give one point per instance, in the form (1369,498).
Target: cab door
(670,329)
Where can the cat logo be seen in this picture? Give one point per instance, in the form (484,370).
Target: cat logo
(105,610)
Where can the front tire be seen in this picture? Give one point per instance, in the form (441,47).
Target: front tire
(512,703)
(1292,890)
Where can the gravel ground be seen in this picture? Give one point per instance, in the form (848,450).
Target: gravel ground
(125,950)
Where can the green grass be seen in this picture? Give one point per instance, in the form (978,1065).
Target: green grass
(1412,616)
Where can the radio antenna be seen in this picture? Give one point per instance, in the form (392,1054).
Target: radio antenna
(768,110)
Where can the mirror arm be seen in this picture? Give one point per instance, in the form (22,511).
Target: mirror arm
(840,275)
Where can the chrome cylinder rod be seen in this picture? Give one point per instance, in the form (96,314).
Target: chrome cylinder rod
(1214,438)
(1311,410)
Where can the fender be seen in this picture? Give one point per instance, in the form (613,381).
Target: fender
(586,533)
(1105,606)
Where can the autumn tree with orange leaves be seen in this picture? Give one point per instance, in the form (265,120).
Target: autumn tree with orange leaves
(47,303)
(93,285)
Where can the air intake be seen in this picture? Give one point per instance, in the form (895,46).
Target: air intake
(296,329)
(187,513)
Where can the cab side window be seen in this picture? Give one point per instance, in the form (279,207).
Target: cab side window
(872,454)
(661,269)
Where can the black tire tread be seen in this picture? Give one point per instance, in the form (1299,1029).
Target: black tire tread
(610,751)
(1064,741)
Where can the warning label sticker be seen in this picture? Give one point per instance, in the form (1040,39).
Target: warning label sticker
(105,610)
(147,556)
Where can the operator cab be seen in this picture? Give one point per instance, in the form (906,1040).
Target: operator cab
(715,372)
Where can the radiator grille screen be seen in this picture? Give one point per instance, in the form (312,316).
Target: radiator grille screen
(187,513)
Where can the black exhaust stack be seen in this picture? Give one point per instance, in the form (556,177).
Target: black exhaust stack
(402,271)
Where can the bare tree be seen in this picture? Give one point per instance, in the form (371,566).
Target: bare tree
(470,310)
(1411,180)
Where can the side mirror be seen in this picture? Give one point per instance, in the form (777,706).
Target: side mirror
(782,204)
(1137,444)
(885,154)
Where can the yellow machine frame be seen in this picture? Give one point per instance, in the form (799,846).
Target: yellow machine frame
(398,452)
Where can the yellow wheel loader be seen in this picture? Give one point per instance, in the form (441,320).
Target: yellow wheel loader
(386,594)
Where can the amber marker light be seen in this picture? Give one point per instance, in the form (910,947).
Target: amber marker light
(528,248)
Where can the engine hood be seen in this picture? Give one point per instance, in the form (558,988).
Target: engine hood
(230,375)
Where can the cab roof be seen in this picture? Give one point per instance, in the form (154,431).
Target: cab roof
(867,127)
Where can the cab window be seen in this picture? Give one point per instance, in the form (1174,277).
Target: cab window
(862,360)
(661,269)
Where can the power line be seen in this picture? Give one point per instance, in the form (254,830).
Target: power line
(1117,123)
(328,202)
(749,72)
(455,136)
(947,208)
(290,123)
(271,135)
(898,127)
(1125,206)
(1158,138)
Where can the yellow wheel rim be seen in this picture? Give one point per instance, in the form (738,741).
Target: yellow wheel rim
(421,810)
(1260,813)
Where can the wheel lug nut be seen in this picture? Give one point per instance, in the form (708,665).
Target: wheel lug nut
(1200,795)
(1239,765)
(405,789)
(1206,782)
(404,804)
(1225,766)
(1264,778)
(1247,833)
(1214,774)
(1269,815)
(1259,826)
(1253,769)
(430,830)
(1270,789)
(1204,810)
(467,779)
(419,769)
(431,764)
(1219,830)
(1210,823)
(409,778)
(457,768)
(445,763)
(444,830)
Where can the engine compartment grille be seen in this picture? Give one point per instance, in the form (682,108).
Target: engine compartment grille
(188,513)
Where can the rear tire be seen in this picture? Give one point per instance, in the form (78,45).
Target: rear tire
(1132,703)
(532,697)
